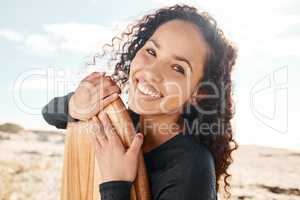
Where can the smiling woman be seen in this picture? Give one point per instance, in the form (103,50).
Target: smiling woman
(168,68)
(178,66)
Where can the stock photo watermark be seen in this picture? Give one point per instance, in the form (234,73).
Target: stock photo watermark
(57,82)
(275,84)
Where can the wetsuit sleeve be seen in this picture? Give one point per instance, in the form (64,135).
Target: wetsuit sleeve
(115,190)
(197,183)
(56,112)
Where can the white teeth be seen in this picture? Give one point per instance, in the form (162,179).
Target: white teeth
(147,91)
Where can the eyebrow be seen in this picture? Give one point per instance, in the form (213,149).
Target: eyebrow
(180,58)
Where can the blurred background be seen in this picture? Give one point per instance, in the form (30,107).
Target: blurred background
(44,46)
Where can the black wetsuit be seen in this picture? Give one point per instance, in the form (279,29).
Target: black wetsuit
(178,169)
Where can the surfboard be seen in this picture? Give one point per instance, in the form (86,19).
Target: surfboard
(81,175)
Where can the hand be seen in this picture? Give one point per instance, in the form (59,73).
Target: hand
(93,93)
(114,161)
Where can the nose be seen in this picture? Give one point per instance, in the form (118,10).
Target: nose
(153,73)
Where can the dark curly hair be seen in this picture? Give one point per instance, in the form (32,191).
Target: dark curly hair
(213,112)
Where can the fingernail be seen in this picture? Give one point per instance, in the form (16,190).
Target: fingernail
(141,136)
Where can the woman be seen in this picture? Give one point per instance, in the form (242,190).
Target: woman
(178,65)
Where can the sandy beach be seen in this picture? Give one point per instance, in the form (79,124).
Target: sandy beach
(31,168)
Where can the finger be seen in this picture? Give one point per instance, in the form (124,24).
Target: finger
(94,125)
(136,145)
(109,131)
(104,81)
(114,82)
(96,120)
(101,92)
(91,136)
(94,75)
(108,100)
(99,132)
(96,144)
(112,134)
(86,84)
(111,89)
(100,80)
(111,79)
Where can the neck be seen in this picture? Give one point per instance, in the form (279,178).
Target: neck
(158,129)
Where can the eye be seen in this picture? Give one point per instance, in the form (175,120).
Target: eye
(151,51)
(180,69)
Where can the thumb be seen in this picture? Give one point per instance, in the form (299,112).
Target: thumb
(136,145)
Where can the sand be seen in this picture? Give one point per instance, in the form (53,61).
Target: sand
(31,168)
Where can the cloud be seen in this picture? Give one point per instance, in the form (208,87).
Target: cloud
(39,44)
(248,24)
(166,2)
(290,7)
(11,35)
(291,31)
(79,38)
(75,38)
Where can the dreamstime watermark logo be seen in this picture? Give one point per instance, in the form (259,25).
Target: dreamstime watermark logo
(276,84)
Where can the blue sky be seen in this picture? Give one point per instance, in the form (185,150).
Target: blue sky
(56,37)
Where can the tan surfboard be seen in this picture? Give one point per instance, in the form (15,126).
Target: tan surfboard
(81,176)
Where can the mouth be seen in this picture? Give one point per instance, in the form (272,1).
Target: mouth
(147,89)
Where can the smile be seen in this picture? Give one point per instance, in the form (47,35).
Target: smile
(147,89)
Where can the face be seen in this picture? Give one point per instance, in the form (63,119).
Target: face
(165,71)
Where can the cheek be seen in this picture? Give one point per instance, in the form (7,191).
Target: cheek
(135,64)
(140,60)
(176,96)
